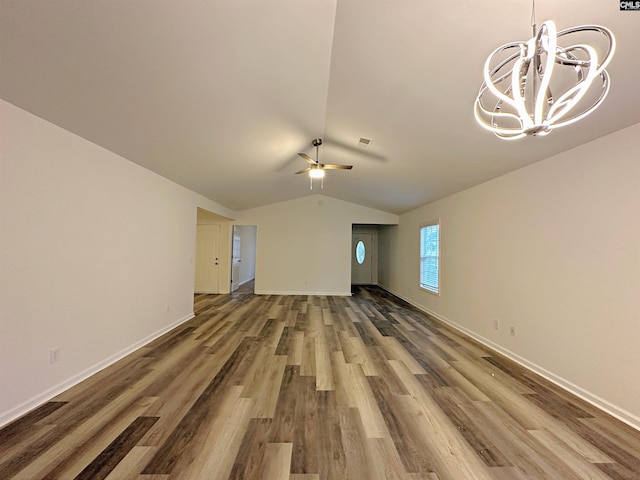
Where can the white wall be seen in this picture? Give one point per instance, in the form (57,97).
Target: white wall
(552,249)
(304,245)
(96,257)
(385,234)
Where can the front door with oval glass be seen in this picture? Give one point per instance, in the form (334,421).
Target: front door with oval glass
(362,259)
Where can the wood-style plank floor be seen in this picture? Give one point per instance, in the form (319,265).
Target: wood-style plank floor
(311,388)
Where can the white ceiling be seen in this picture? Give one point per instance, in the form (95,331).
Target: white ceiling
(220,95)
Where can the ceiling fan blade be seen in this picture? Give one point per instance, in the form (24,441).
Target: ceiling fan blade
(336,167)
(307,158)
(305,170)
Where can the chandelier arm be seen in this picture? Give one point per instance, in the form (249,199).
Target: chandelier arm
(483,112)
(505,133)
(570,60)
(510,136)
(487,71)
(548,31)
(497,81)
(596,104)
(506,61)
(571,97)
(480,110)
(599,29)
(518,91)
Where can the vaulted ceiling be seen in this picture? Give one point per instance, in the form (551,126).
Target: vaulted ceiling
(220,95)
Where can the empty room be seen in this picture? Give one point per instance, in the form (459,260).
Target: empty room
(319,239)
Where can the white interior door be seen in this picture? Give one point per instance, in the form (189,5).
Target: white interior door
(235,261)
(207,258)
(362,259)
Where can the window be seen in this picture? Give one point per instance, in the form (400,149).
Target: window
(430,257)
(360,252)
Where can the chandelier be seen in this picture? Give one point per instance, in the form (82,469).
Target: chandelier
(535,86)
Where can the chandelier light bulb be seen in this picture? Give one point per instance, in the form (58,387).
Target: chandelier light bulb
(535,86)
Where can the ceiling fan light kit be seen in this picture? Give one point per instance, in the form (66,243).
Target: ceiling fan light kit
(535,86)
(317,169)
(316,173)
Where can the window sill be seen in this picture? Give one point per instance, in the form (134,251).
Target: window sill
(437,294)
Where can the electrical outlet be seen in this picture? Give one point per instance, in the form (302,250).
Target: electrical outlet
(168,308)
(54,355)
(496,324)
(512,331)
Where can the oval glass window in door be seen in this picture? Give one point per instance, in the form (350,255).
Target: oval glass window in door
(360,252)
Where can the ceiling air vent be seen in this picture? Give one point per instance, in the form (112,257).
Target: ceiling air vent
(364,142)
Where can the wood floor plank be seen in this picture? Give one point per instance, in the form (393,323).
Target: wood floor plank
(284,417)
(532,417)
(413,452)
(277,461)
(130,466)
(250,458)
(580,465)
(532,458)
(355,352)
(345,396)
(87,463)
(284,343)
(308,364)
(179,439)
(19,430)
(304,457)
(11,454)
(303,387)
(366,403)
(385,371)
(456,457)
(104,463)
(332,458)
(621,435)
(394,351)
(70,453)
(268,387)
(324,374)
(222,441)
(355,443)
(450,403)
(384,460)
(179,395)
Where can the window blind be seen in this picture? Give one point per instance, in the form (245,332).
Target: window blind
(430,257)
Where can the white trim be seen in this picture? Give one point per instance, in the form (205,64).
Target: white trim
(50,393)
(326,294)
(598,402)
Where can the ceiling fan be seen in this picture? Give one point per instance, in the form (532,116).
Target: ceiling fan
(316,169)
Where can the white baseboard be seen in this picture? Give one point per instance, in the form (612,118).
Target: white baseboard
(600,403)
(36,401)
(327,294)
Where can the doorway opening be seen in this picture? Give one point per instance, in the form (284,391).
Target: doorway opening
(243,257)
(364,255)
(212,255)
